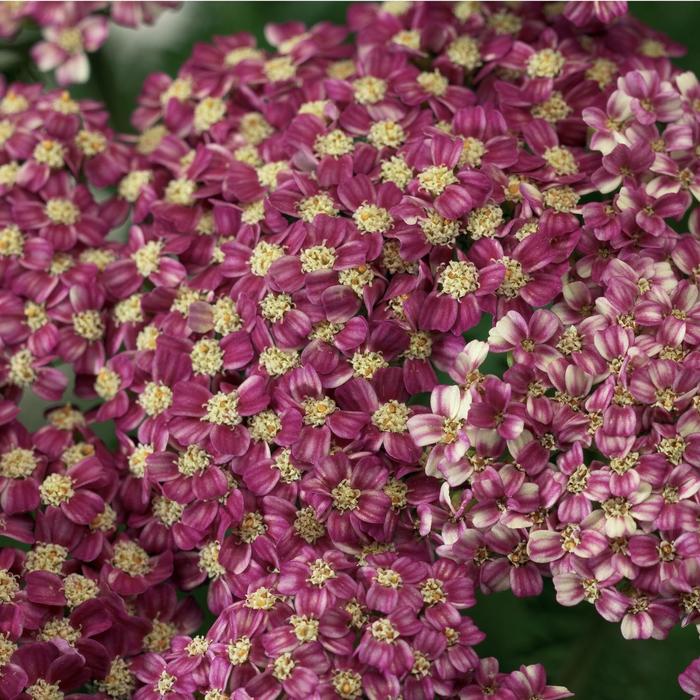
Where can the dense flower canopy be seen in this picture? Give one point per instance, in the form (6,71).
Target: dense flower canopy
(273,297)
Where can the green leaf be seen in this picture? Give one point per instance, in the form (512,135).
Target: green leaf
(581,650)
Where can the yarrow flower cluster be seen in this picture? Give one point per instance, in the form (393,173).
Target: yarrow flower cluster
(71,30)
(285,348)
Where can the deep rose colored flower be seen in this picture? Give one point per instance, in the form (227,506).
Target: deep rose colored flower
(582,486)
(453,636)
(392,582)
(645,619)
(79,491)
(144,260)
(456,302)
(321,417)
(545,546)
(382,644)
(63,213)
(21,470)
(129,570)
(348,497)
(22,370)
(152,670)
(648,212)
(295,674)
(191,473)
(496,412)
(81,338)
(389,414)
(200,414)
(50,667)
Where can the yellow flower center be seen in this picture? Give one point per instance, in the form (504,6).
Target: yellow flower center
(194,460)
(281,68)
(384,631)
(278,362)
(155,398)
(62,211)
(366,362)
(131,559)
(347,685)
(107,383)
(438,230)
(316,411)
(388,578)
(18,463)
(261,599)
(369,90)
(208,112)
(320,571)
(392,417)
(243,53)
(91,143)
(396,170)
(433,83)
(56,489)
(386,134)
(345,497)
(357,278)
(22,372)
(207,357)
(369,218)
(89,325)
(181,191)
(432,591)
(78,589)
(546,63)
(319,257)
(49,152)
(262,257)
(335,143)
(147,258)
(274,307)
(464,52)
(561,160)
(46,557)
(515,278)
(459,278)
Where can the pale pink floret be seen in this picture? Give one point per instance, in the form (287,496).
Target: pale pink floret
(445,426)
(69,59)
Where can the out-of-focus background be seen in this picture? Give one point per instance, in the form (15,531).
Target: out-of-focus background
(577,647)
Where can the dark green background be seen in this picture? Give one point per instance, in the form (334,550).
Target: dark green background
(578,648)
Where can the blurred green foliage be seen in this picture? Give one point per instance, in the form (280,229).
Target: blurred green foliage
(579,649)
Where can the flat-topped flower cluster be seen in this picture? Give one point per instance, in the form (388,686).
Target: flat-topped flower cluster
(288,346)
